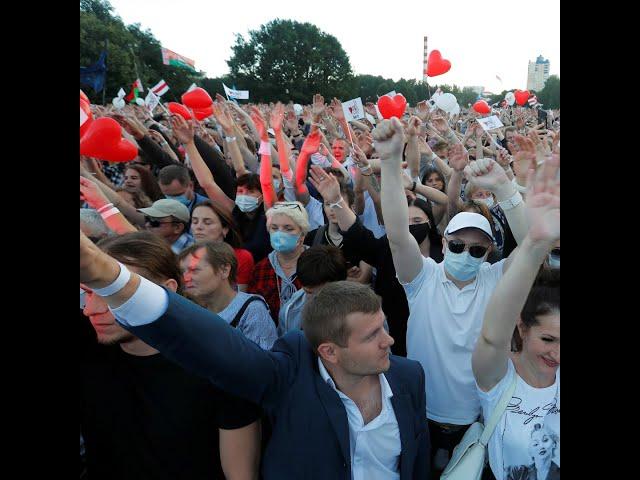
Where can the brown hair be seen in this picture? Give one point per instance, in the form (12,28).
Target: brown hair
(321,264)
(140,199)
(174,172)
(146,251)
(543,299)
(249,180)
(218,255)
(324,317)
(148,183)
(232,237)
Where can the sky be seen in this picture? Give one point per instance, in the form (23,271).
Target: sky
(482,39)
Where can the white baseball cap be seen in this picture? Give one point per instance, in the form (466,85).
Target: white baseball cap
(469,220)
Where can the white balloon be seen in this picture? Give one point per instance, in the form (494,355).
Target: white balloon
(456,110)
(140,101)
(118,102)
(297,108)
(510,98)
(446,102)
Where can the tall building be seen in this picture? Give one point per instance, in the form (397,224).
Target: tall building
(538,74)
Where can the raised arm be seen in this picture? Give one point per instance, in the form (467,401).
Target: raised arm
(491,354)
(413,152)
(266,180)
(97,200)
(310,146)
(184,131)
(226,122)
(458,158)
(407,258)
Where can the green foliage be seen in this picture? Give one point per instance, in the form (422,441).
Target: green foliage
(549,96)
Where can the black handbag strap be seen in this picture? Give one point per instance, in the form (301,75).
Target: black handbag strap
(253,298)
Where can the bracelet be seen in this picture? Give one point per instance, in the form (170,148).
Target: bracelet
(413,187)
(105,207)
(109,213)
(512,202)
(265,148)
(230,139)
(117,285)
(336,204)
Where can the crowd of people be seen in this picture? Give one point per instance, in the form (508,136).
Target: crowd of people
(281,293)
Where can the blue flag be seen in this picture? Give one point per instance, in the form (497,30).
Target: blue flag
(95,75)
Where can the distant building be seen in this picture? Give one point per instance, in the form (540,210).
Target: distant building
(538,74)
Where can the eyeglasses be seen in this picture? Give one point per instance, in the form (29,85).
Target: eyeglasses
(286,205)
(156,223)
(555,252)
(476,251)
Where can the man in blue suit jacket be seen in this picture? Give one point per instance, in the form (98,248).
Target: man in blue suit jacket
(342,407)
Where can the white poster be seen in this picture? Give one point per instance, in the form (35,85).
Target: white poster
(353,109)
(490,123)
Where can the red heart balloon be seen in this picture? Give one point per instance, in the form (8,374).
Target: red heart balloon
(392,106)
(521,96)
(179,109)
(481,107)
(198,98)
(104,140)
(86,117)
(202,113)
(436,65)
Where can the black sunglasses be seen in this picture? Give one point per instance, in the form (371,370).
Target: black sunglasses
(555,252)
(156,223)
(476,251)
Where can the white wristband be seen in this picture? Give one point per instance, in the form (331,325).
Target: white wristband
(336,204)
(105,207)
(265,148)
(513,202)
(230,139)
(112,211)
(117,285)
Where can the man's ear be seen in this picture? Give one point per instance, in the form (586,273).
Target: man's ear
(171,284)
(328,352)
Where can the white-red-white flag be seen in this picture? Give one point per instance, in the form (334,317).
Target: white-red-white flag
(160,88)
(533,101)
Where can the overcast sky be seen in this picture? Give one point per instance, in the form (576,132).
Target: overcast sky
(482,39)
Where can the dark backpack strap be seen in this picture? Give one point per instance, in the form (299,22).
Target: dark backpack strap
(253,298)
(317,240)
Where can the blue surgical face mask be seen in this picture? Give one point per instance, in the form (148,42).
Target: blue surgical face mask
(461,266)
(554,261)
(284,242)
(180,198)
(246,203)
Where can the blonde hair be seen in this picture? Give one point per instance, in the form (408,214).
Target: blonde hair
(294,210)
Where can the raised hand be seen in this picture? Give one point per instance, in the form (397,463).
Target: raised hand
(543,202)
(336,109)
(131,125)
(318,105)
(277,117)
(365,141)
(486,174)
(458,157)
(370,108)
(91,193)
(389,140)
(307,116)
(311,143)
(258,120)
(440,124)
(223,117)
(326,184)
(291,121)
(525,153)
(182,129)
(413,127)
(503,158)
(360,157)
(422,111)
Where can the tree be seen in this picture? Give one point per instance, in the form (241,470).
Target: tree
(549,96)
(288,60)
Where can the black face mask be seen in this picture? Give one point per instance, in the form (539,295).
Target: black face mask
(420,231)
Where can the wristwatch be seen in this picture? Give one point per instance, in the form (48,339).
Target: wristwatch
(513,202)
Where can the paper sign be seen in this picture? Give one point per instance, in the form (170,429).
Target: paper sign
(121,93)
(152,101)
(353,109)
(490,123)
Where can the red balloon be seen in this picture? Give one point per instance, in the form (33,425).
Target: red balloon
(521,96)
(197,99)
(179,109)
(481,107)
(202,113)
(86,117)
(392,106)
(84,97)
(104,140)
(436,65)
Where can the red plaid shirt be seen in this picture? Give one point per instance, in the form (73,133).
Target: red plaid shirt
(265,282)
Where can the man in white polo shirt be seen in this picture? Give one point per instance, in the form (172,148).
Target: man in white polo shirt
(446,300)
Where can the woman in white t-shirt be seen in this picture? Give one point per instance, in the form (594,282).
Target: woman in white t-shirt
(526,442)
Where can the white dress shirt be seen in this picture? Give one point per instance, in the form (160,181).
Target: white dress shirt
(375,447)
